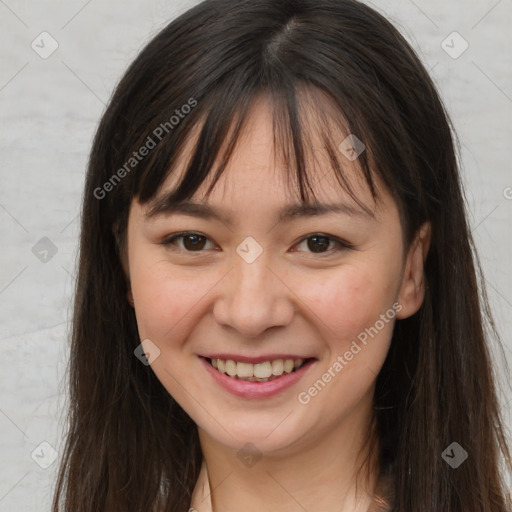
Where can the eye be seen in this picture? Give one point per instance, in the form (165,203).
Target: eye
(192,242)
(317,243)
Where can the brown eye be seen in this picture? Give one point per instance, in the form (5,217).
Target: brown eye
(319,244)
(192,242)
(316,244)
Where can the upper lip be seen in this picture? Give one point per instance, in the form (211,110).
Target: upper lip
(254,359)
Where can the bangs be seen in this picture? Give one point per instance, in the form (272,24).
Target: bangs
(212,132)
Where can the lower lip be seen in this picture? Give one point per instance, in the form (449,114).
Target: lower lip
(247,389)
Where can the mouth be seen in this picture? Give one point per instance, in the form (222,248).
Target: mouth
(264,371)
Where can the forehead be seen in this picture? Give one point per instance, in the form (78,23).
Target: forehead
(259,169)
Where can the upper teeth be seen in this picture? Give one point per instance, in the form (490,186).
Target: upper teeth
(261,370)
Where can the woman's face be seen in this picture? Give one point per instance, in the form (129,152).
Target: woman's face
(255,289)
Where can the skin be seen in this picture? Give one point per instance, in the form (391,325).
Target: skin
(289,300)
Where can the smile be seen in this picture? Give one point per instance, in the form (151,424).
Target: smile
(258,379)
(259,372)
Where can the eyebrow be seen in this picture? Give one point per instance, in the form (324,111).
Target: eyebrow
(287,213)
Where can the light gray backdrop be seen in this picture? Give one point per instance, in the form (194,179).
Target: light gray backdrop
(51,99)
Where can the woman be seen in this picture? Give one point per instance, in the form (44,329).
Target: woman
(277,304)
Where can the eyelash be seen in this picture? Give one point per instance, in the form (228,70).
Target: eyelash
(341,244)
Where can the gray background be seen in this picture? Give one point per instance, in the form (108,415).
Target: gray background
(50,108)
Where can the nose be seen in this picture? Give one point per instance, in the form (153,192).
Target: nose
(253,298)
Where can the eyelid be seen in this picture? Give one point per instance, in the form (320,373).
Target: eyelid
(169,240)
(341,244)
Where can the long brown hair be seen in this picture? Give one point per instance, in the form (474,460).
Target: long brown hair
(129,445)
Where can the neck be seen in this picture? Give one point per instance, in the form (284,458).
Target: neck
(320,473)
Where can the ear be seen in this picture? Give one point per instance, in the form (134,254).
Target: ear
(412,290)
(123,258)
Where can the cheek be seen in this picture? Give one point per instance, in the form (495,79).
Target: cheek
(163,299)
(350,299)
(354,311)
